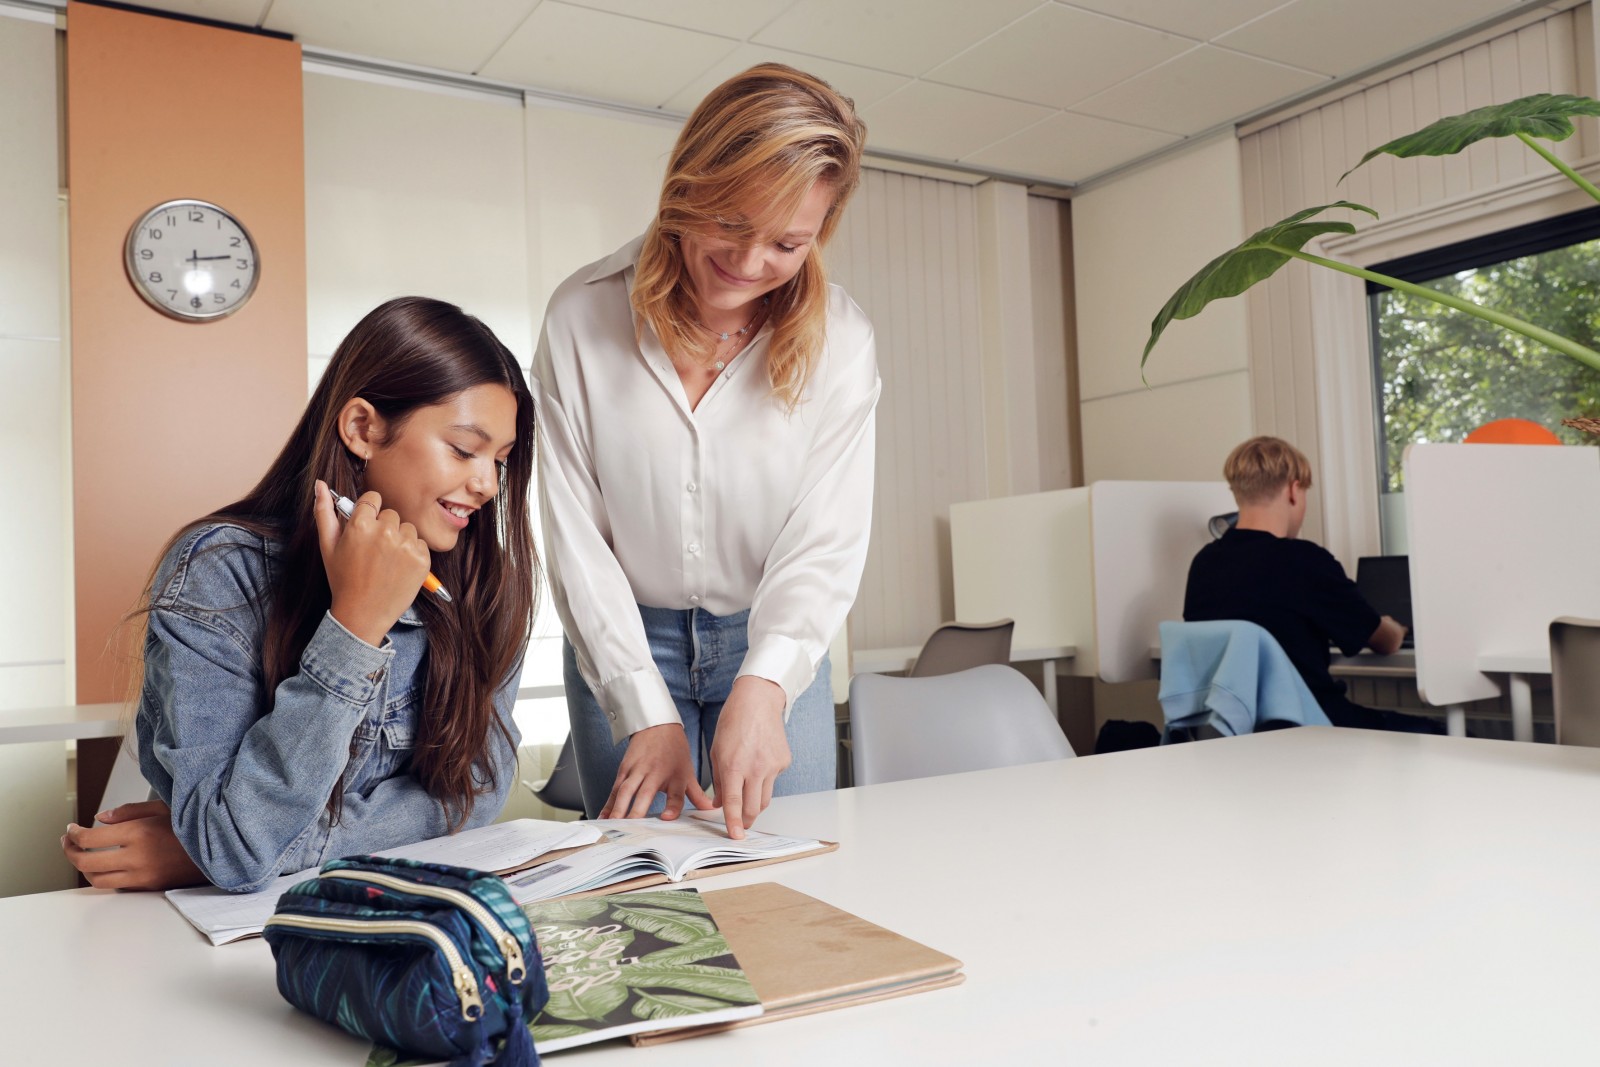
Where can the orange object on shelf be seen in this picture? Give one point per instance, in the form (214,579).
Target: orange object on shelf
(1512,432)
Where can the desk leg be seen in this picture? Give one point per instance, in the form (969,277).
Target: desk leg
(1455,720)
(1050,688)
(1521,708)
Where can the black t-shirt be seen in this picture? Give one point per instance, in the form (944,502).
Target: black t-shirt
(1295,590)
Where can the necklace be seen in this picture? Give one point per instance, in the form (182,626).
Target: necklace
(724,335)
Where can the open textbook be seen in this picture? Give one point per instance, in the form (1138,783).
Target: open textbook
(501,847)
(635,853)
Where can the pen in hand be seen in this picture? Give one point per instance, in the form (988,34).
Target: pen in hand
(347,507)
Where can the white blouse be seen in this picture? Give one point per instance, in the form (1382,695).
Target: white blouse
(738,503)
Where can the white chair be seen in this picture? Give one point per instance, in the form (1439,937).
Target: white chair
(560,790)
(989,716)
(126,785)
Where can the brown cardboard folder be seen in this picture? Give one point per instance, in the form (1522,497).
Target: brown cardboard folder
(805,956)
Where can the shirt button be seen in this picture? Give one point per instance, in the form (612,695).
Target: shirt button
(691,487)
(611,715)
(694,549)
(694,600)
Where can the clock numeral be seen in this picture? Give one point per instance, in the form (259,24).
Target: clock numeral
(172,220)
(172,294)
(233,242)
(196,215)
(145,253)
(244,264)
(155,234)
(218,298)
(155,276)
(195,303)
(234,284)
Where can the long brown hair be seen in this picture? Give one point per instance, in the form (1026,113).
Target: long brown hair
(407,354)
(743,164)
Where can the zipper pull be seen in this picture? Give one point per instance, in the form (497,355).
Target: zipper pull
(516,969)
(471,1002)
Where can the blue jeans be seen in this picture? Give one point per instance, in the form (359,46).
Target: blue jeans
(698,654)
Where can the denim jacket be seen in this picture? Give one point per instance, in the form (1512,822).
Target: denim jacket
(248,774)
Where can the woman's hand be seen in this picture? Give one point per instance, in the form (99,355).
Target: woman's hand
(376,564)
(136,849)
(749,752)
(657,761)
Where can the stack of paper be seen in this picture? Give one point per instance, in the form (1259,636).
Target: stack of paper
(499,847)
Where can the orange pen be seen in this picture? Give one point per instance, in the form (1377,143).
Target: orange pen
(347,507)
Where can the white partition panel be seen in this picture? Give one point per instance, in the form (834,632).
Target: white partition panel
(1503,539)
(1144,535)
(1027,558)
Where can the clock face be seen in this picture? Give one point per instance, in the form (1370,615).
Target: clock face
(192,260)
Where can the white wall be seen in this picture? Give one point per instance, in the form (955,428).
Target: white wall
(1135,240)
(35,533)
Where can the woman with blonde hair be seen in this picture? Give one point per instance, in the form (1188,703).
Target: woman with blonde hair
(705,402)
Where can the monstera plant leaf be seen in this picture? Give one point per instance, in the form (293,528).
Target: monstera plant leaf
(1546,115)
(703,948)
(1258,257)
(673,1005)
(691,978)
(586,1001)
(680,899)
(678,927)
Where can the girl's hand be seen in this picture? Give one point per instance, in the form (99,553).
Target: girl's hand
(657,761)
(376,564)
(136,849)
(749,752)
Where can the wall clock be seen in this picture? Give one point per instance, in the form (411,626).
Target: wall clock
(192,260)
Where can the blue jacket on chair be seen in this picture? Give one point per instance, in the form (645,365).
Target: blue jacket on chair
(1232,676)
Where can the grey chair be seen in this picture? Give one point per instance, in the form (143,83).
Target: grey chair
(973,720)
(560,790)
(957,646)
(1575,680)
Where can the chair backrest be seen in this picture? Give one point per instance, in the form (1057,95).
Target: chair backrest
(958,646)
(561,790)
(988,716)
(1575,680)
(126,784)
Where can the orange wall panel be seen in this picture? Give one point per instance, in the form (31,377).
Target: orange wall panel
(173,419)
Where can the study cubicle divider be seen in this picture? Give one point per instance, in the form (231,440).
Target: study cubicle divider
(1096,568)
(1027,558)
(1503,539)
(1144,535)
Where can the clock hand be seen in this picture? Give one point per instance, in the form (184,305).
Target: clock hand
(214,257)
(194,257)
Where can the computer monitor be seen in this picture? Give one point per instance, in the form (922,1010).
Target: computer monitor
(1385,582)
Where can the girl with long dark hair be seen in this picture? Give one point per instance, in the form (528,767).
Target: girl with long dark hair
(303,697)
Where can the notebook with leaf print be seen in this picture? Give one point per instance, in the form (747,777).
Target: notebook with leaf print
(628,963)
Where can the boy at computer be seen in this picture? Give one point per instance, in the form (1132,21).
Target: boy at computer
(1260,571)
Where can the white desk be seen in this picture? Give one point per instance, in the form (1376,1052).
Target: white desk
(68,722)
(1518,667)
(895,660)
(1304,896)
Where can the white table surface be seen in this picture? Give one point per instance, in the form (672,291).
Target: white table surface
(61,723)
(1301,896)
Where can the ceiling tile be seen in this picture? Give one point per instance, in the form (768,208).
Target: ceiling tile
(236,12)
(1057,56)
(1203,21)
(604,56)
(1336,36)
(725,18)
(1070,148)
(428,33)
(903,36)
(1198,90)
(945,123)
(866,87)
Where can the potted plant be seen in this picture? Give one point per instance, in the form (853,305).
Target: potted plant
(1532,119)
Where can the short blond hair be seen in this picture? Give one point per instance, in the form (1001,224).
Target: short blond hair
(1262,466)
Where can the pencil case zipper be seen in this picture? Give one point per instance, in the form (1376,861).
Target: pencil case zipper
(466,985)
(516,967)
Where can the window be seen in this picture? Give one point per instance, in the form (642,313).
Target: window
(1441,374)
